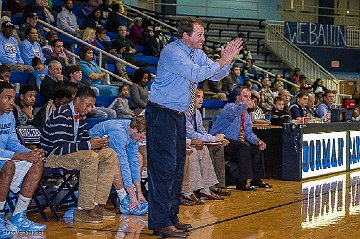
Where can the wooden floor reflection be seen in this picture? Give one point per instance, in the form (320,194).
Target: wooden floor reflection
(328,207)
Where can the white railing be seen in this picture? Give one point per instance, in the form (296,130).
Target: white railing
(295,57)
(101,52)
(353,37)
(151,18)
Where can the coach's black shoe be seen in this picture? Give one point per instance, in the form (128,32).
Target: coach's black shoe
(260,184)
(245,188)
(182,226)
(169,232)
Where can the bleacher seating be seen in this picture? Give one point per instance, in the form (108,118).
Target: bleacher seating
(150,60)
(104,101)
(112,35)
(20,77)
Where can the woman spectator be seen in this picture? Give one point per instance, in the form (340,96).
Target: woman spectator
(90,6)
(139,91)
(92,20)
(30,47)
(92,73)
(89,36)
(136,32)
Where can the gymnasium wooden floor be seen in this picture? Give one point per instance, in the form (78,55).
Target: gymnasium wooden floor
(327,207)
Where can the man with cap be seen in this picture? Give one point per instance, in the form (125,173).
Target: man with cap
(9,49)
(154,45)
(32,21)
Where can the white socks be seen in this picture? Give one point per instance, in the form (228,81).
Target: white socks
(2,205)
(187,194)
(206,191)
(121,193)
(21,205)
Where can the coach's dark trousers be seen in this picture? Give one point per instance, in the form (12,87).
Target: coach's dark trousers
(166,149)
(245,161)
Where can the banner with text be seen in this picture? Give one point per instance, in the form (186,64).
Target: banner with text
(354,148)
(313,34)
(323,154)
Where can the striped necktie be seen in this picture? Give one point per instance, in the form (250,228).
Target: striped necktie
(242,128)
(192,89)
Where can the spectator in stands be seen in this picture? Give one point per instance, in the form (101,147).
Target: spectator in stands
(68,145)
(310,108)
(99,41)
(89,35)
(319,96)
(105,9)
(121,104)
(74,74)
(231,81)
(245,149)
(244,54)
(48,50)
(277,78)
(39,73)
(248,85)
(66,20)
(356,113)
(279,116)
(249,71)
(323,110)
(285,95)
(139,91)
(256,113)
(18,165)
(154,46)
(31,21)
(298,110)
(41,8)
(266,96)
(278,86)
(136,32)
(60,97)
(318,86)
(124,138)
(89,8)
(5,73)
(58,54)
(92,75)
(214,91)
(24,108)
(196,131)
(15,6)
(9,49)
(124,46)
(30,47)
(54,80)
(92,20)
(113,22)
(296,76)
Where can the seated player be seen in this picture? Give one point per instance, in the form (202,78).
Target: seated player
(17,163)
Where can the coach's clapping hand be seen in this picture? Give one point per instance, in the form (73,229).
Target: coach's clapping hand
(230,51)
